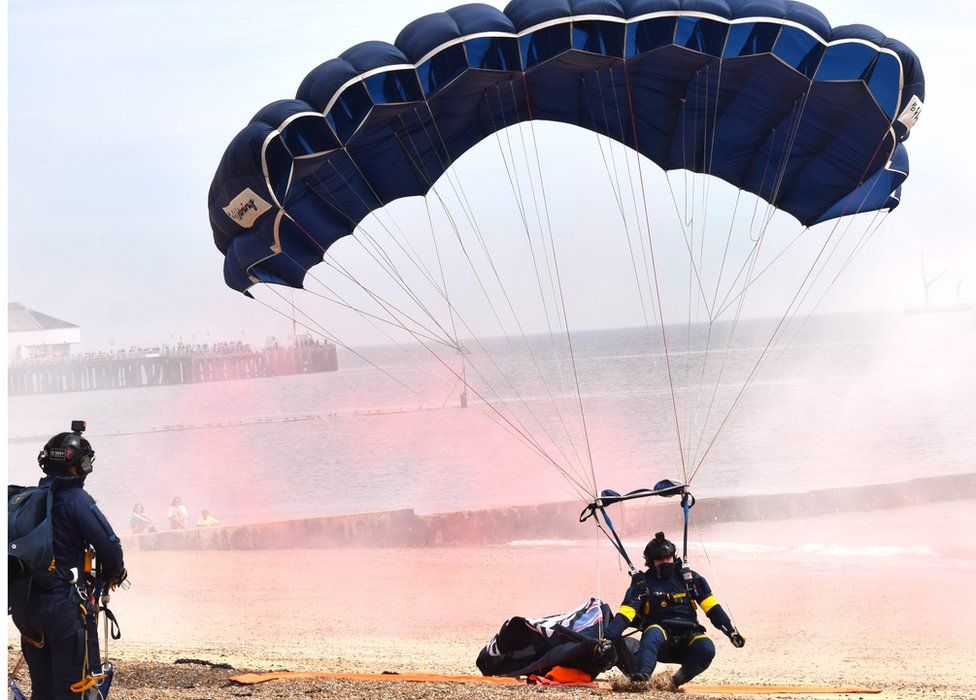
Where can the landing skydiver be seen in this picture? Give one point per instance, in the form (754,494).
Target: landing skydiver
(661,603)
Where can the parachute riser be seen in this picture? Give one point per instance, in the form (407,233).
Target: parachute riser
(609,498)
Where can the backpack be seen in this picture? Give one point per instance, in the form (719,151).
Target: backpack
(30,543)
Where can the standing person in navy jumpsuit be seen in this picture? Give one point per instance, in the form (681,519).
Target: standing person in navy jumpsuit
(57,634)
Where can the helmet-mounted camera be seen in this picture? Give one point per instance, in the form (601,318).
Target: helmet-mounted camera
(67,451)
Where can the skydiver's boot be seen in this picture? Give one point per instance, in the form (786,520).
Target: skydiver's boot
(663,681)
(650,646)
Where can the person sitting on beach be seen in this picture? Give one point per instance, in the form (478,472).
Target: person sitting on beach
(139,520)
(177,514)
(207,520)
(661,603)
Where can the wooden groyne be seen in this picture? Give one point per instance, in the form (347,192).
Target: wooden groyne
(405,528)
(140,369)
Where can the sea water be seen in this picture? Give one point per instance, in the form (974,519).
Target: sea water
(848,400)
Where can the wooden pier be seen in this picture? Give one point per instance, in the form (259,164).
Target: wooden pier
(130,370)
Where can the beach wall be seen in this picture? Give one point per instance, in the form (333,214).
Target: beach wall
(405,528)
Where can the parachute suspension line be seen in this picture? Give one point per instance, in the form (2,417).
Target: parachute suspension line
(862,241)
(525,438)
(519,430)
(726,303)
(685,167)
(708,156)
(767,217)
(613,173)
(762,185)
(516,187)
(792,134)
(532,189)
(486,352)
(873,226)
(713,572)
(389,268)
(371,318)
(657,287)
(559,284)
(752,259)
(699,170)
(617,189)
(792,304)
(518,324)
(417,163)
(686,218)
(450,306)
(725,256)
(461,350)
(833,250)
(741,297)
(414,258)
(708,336)
(455,181)
(711,149)
(513,181)
(321,331)
(823,267)
(417,337)
(633,199)
(549,253)
(688,227)
(488,355)
(728,346)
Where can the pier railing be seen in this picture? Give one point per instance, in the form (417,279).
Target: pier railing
(166,365)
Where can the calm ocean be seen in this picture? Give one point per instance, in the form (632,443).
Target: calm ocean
(854,399)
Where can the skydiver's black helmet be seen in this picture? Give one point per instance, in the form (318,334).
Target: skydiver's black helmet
(67,450)
(660,548)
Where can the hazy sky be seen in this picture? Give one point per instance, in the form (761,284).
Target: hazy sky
(120,111)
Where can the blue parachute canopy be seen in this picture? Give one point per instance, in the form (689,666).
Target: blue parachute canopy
(808,117)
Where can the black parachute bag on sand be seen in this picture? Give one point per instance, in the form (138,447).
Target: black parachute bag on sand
(30,542)
(533,646)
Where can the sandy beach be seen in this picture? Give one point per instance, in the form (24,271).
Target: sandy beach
(900,624)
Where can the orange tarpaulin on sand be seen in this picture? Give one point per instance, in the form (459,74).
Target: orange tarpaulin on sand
(778,689)
(255,678)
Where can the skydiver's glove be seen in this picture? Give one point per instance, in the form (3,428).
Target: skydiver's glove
(602,648)
(738,641)
(637,591)
(119,579)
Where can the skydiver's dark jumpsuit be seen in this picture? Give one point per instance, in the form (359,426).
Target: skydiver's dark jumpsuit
(57,621)
(671,633)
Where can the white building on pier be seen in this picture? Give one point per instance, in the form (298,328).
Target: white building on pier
(33,335)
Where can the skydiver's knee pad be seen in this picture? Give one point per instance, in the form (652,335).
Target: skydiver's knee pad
(650,647)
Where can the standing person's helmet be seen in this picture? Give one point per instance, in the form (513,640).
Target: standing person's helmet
(67,450)
(657,549)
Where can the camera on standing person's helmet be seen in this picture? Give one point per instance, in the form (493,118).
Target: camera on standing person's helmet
(66,451)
